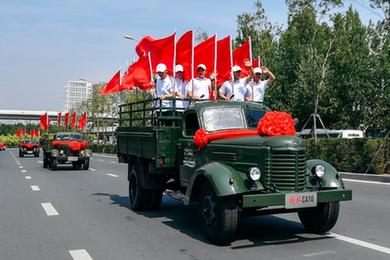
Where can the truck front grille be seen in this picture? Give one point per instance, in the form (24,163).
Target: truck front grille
(288,170)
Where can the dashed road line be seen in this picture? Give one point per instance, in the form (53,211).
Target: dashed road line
(361,243)
(367,182)
(112,175)
(49,209)
(35,188)
(80,254)
(27,177)
(21,167)
(92,169)
(319,253)
(23,171)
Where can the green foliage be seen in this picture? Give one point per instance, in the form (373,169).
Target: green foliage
(104,148)
(352,155)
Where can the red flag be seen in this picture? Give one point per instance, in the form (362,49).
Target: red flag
(59,119)
(224,60)
(113,85)
(37,132)
(73,124)
(82,121)
(66,119)
(23,132)
(241,54)
(184,54)
(17,133)
(45,121)
(204,53)
(32,133)
(161,51)
(256,63)
(138,75)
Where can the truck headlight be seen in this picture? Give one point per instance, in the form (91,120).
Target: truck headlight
(82,153)
(62,152)
(254,173)
(319,170)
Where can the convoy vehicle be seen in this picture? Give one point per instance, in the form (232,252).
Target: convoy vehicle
(325,133)
(28,147)
(2,147)
(230,175)
(65,147)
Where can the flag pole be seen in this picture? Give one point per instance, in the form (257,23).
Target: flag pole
(215,67)
(192,63)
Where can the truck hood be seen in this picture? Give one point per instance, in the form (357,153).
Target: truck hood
(274,142)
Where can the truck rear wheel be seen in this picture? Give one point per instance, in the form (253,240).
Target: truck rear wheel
(138,196)
(21,154)
(218,216)
(53,163)
(86,164)
(321,218)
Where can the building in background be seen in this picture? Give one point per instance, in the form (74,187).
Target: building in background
(76,91)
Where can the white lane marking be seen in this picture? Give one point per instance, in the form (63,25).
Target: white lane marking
(92,169)
(39,161)
(49,209)
(35,188)
(21,167)
(112,175)
(27,177)
(23,171)
(319,253)
(101,160)
(367,182)
(112,161)
(80,254)
(360,243)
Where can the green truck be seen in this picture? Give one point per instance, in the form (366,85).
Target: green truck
(229,176)
(65,148)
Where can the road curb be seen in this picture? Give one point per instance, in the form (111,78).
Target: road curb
(366,177)
(105,155)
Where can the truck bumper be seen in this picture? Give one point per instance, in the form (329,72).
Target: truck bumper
(278,199)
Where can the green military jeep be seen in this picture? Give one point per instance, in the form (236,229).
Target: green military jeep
(229,176)
(65,147)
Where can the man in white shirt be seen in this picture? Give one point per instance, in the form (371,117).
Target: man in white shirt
(235,89)
(199,88)
(256,88)
(180,87)
(164,86)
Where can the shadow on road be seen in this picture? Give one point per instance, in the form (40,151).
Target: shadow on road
(252,231)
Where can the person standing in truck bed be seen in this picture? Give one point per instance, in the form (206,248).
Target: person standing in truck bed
(199,88)
(256,87)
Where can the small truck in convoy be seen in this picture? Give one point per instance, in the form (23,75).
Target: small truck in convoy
(228,176)
(65,147)
(28,147)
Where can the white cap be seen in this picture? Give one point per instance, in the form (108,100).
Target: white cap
(161,67)
(257,70)
(178,68)
(236,68)
(201,66)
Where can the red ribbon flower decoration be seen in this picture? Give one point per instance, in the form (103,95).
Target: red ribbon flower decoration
(275,124)
(200,138)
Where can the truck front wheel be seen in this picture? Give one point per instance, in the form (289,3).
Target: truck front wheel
(45,161)
(218,216)
(53,163)
(321,218)
(138,196)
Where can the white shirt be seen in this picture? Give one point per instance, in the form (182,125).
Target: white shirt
(181,89)
(164,87)
(256,90)
(236,87)
(200,87)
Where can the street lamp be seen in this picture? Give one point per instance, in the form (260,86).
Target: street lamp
(131,38)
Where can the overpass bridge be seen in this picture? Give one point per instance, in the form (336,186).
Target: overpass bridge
(20,115)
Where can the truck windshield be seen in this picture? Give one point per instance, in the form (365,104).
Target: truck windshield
(253,117)
(67,137)
(223,118)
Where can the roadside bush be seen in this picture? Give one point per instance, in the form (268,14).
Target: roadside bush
(104,148)
(352,155)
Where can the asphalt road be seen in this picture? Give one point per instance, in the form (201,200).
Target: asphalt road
(67,214)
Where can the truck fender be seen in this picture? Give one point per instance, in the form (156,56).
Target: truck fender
(54,153)
(225,180)
(331,179)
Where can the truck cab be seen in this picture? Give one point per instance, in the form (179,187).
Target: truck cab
(237,171)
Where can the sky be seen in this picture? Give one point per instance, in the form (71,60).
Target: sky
(45,43)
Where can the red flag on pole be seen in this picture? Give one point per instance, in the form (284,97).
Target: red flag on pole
(73,124)
(204,53)
(23,132)
(37,132)
(59,119)
(44,121)
(161,51)
(139,74)
(32,133)
(112,85)
(17,133)
(224,60)
(67,119)
(184,54)
(241,54)
(82,121)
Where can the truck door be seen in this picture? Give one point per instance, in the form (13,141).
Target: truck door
(187,150)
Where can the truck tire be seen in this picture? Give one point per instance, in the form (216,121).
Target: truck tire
(321,218)
(138,196)
(218,216)
(45,161)
(21,154)
(76,165)
(86,164)
(36,154)
(53,163)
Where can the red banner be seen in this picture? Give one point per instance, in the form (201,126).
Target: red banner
(184,54)
(82,121)
(17,134)
(73,124)
(204,53)
(241,54)
(138,75)
(59,119)
(224,60)
(113,86)
(44,121)
(67,119)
